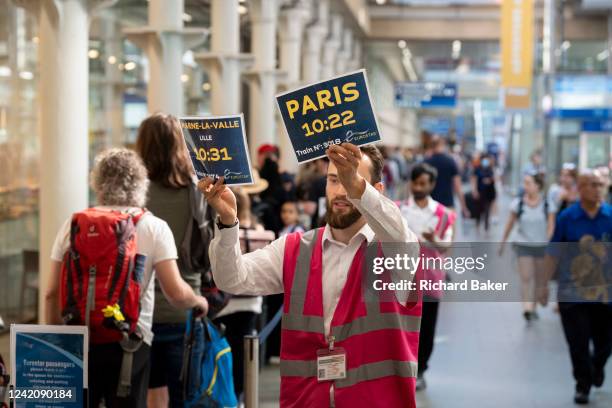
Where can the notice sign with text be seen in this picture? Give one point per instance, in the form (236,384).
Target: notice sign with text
(217,148)
(327,113)
(48,365)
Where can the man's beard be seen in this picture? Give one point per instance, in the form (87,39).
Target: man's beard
(341,221)
(419,195)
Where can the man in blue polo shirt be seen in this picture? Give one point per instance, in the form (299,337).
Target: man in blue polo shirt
(580,248)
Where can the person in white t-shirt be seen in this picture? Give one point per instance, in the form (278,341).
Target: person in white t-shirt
(120,182)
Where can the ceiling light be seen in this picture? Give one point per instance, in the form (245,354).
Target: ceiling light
(27,75)
(206,86)
(112,59)
(130,65)
(381,2)
(242,9)
(401,43)
(93,53)
(565,45)
(5,71)
(184,78)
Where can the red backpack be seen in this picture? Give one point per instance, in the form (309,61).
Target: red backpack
(102,275)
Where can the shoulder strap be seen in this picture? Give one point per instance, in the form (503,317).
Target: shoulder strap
(521,203)
(137,217)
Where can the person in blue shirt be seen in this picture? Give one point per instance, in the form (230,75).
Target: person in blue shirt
(580,248)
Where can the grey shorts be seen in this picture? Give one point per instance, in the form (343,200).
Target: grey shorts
(533,251)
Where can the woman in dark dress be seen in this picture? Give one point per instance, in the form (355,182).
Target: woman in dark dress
(483,189)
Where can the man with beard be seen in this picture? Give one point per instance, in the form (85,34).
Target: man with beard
(340,348)
(433,223)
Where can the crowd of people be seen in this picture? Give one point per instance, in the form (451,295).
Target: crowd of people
(297,242)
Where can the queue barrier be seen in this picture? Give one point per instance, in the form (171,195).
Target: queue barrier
(251,360)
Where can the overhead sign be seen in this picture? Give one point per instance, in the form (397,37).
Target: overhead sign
(582,97)
(517,53)
(425,95)
(327,113)
(217,147)
(48,365)
(597,126)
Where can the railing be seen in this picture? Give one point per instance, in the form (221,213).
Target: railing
(251,360)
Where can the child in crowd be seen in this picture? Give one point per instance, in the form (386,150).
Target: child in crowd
(290,214)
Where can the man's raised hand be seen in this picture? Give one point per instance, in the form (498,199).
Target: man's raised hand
(346,157)
(221,198)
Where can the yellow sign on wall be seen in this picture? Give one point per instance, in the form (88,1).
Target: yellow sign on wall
(517,51)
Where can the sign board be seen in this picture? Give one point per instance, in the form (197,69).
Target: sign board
(425,95)
(597,126)
(48,365)
(582,97)
(516,53)
(217,147)
(327,113)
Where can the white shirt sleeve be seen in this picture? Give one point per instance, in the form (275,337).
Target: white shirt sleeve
(164,247)
(62,242)
(257,273)
(385,219)
(383,216)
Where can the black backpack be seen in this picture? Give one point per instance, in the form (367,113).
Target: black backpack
(522,204)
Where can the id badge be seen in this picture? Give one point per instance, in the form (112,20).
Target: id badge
(331,364)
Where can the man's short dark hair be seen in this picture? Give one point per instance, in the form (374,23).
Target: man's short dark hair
(376,170)
(424,168)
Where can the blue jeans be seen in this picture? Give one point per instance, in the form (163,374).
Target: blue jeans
(167,360)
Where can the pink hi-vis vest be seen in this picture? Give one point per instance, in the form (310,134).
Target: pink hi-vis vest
(380,336)
(446,219)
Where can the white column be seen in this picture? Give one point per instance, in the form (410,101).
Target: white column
(610,43)
(315,37)
(16,62)
(356,62)
(331,47)
(262,78)
(291,31)
(63,113)
(346,51)
(224,62)
(162,42)
(113,86)
(165,89)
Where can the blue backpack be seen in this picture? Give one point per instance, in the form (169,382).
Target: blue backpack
(216,385)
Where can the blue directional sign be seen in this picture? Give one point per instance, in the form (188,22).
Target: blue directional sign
(425,95)
(49,366)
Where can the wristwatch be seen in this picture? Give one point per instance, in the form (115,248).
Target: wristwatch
(220,225)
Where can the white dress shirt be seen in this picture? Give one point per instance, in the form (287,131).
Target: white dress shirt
(424,219)
(261,272)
